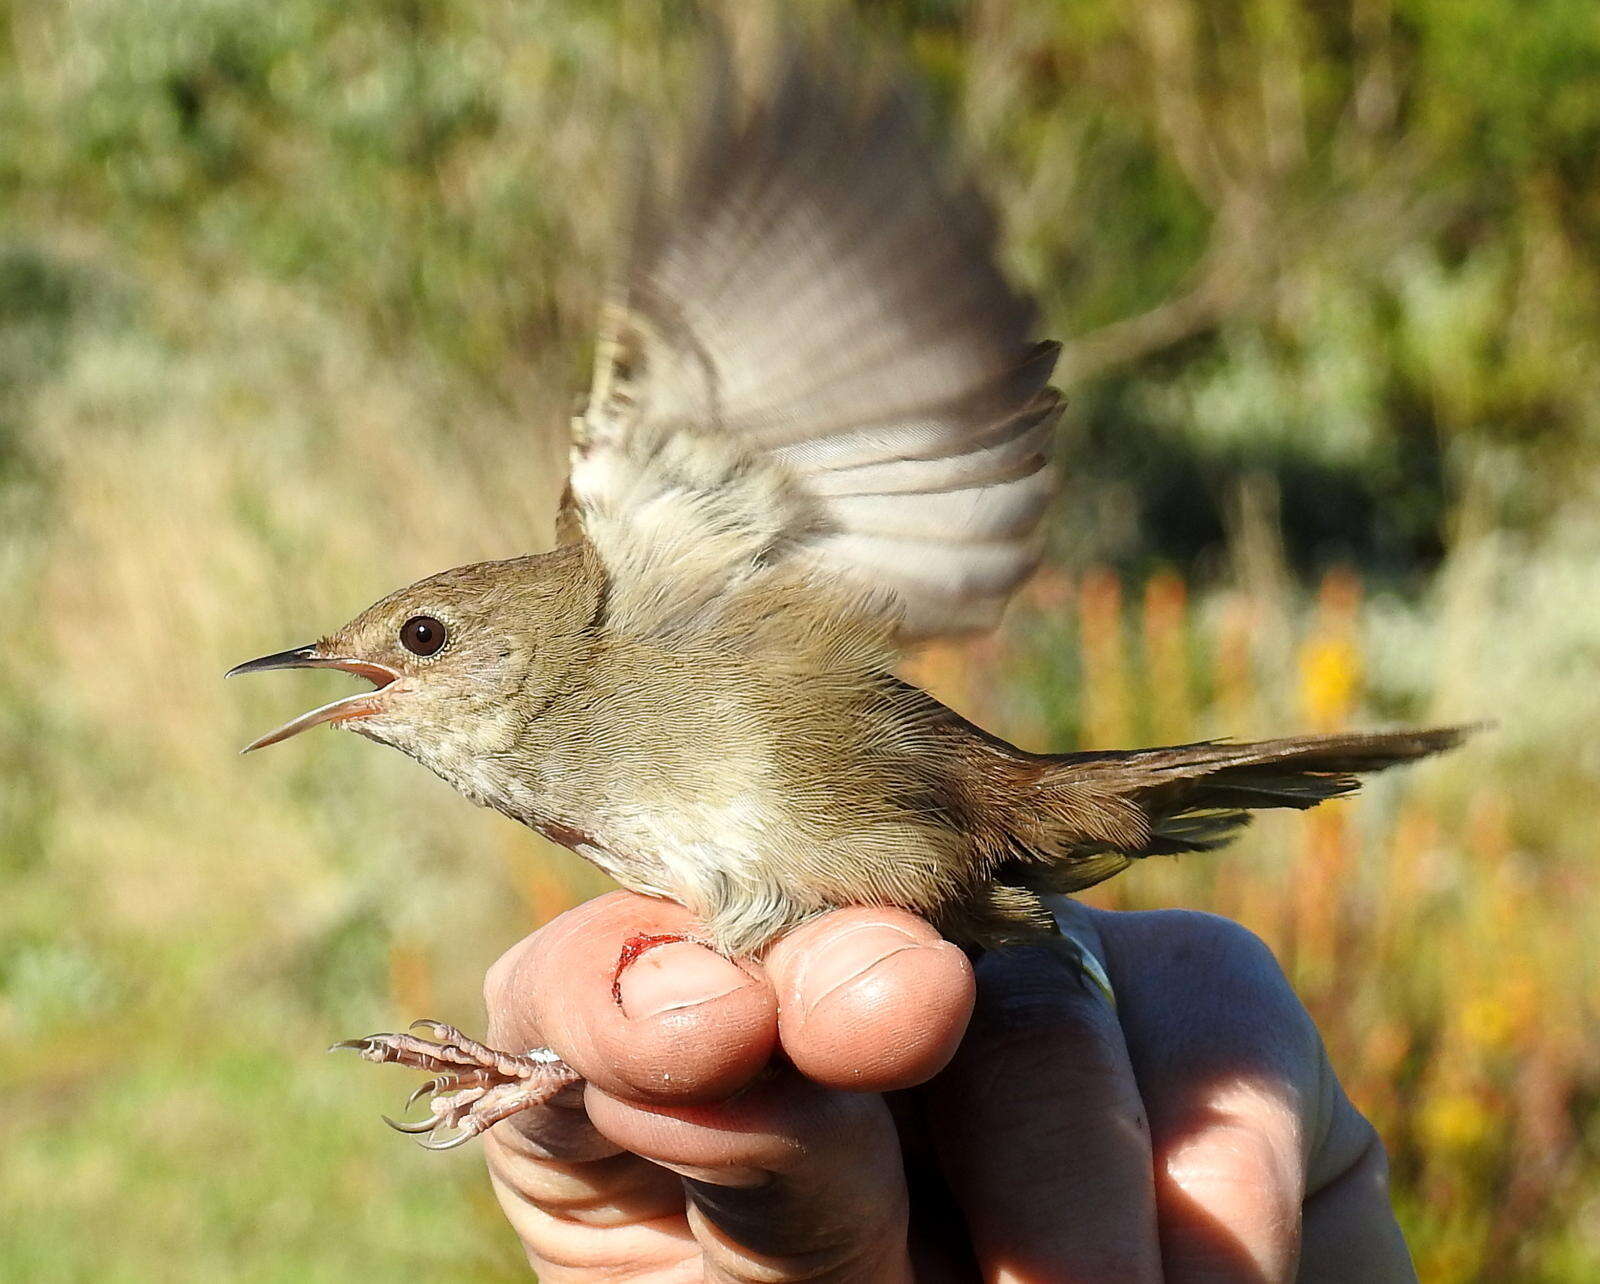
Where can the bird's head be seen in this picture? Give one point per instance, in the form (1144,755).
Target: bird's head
(460,661)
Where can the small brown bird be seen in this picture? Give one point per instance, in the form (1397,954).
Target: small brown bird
(818,431)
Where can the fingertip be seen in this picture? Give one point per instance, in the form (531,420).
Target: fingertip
(870,999)
(704,1042)
(673,977)
(730,1143)
(691,1025)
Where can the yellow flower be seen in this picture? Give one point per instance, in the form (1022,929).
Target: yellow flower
(1488,1020)
(1330,671)
(1454,1121)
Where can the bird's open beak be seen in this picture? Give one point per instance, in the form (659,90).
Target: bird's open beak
(311,657)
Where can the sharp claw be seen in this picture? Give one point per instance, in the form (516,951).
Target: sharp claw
(426,1125)
(479,1078)
(460,1139)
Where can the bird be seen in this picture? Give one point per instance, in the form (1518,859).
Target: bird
(819,432)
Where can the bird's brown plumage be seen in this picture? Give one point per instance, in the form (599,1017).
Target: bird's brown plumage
(766,764)
(818,430)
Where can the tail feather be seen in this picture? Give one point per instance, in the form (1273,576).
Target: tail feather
(1342,753)
(1194,831)
(1088,807)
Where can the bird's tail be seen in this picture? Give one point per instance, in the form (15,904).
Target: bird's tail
(1089,815)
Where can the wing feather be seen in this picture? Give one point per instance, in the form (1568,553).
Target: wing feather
(814,362)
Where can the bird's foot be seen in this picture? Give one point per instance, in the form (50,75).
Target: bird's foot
(473,1087)
(641,943)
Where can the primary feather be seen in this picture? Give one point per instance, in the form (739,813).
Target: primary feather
(813,359)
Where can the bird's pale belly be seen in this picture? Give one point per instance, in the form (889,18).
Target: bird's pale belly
(733,850)
(730,889)
(627,852)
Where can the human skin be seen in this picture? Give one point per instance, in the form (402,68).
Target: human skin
(757,1122)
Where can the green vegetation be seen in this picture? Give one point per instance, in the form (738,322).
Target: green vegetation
(293,301)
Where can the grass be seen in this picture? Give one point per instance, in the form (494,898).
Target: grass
(184,930)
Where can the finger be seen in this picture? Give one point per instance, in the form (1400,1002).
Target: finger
(691,1025)
(1230,1067)
(578,1221)
(557,1129)
(579,1205)
(786,1181)
(1349,1230)
(870,999)
(1040,1130)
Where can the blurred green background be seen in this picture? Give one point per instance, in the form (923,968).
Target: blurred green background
(294,300)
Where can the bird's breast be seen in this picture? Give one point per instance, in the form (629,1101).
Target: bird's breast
(702,853)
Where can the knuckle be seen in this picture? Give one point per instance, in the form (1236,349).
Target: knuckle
(508,975)
(497,980)
(1224,968)
(1211,936)
(1234,1156)
(1347,1149)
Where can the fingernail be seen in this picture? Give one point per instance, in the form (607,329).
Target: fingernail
(849,959)
(676,976)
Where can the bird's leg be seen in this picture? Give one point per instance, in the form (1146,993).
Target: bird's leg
(474,1086)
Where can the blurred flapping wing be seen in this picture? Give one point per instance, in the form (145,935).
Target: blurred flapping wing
(814,361)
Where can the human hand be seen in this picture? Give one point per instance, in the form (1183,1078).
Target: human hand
(1197,1132)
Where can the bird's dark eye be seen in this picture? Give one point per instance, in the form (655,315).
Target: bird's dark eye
(422,635)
